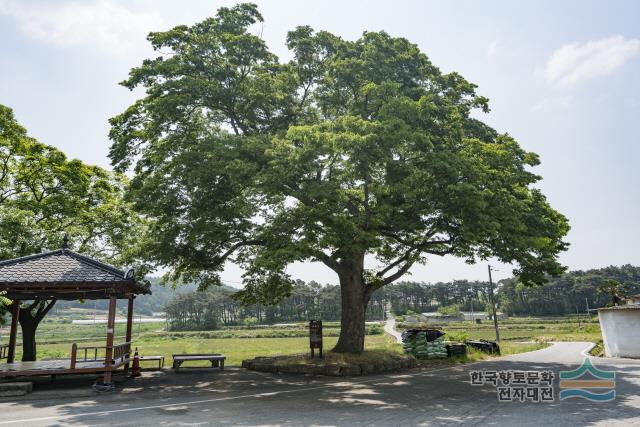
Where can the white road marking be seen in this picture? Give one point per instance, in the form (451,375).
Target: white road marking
(219,399)
(245,396)
(586,351)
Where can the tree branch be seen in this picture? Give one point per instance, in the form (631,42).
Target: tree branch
(398,274)
(44,309)
(329,261)
(408,263)
(395,263)
(232,249)
(31,306)
(367,210)
(443,252)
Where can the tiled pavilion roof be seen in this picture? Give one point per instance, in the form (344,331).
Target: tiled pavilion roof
(65,274)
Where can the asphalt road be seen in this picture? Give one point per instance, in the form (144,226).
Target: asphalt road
(390,328)
(432,396)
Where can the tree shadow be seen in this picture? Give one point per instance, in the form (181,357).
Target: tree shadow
(411,397)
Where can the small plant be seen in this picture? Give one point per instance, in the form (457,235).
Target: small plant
(250,321)
(598,349)
(459,336)
(375,329)
(450,310)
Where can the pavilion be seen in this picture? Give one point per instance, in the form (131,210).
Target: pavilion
(66,275)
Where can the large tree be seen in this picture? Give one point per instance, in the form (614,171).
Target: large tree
(44,196)
(360,155)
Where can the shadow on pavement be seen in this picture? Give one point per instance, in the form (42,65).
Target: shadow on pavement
(411,397)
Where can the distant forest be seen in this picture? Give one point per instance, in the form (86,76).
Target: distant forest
(188,309)
(568,294)
(145,305)
(215,308)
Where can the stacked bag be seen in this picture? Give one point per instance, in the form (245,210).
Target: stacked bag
(436,349)
(424,343)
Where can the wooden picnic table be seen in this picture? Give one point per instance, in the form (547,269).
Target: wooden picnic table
(217,360)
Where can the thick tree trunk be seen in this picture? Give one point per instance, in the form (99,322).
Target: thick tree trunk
(354,305)
(28,338)
(29,322)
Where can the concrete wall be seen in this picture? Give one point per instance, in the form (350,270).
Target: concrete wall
(482,316)
(620,332)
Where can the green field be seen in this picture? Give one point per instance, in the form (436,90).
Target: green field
(53,332)
(237,343)
(56,335)
(236,349)
(570,328)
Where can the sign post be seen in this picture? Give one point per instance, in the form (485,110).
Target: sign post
(315,336)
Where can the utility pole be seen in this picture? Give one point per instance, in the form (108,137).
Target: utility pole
(473,317)
(493,305)
(587,301)
(472,314)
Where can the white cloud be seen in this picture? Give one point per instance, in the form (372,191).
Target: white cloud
(575,63)
(110,27)
(492,50)
(555,103)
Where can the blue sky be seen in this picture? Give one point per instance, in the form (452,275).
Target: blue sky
(562,77)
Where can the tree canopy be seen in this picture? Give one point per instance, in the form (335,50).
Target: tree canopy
(572,292)
(351,151)
(44,197)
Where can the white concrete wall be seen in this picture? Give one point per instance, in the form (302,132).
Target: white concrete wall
(620,332)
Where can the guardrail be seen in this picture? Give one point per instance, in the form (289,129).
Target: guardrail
(120,353)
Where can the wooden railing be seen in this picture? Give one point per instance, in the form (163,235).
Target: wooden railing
(4,350)
(120,353)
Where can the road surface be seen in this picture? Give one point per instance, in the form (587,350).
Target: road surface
(429,396)
(390,328)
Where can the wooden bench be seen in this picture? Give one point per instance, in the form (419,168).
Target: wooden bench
(159,359)
(217,360)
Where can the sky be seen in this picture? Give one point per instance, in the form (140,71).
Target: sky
(562,78)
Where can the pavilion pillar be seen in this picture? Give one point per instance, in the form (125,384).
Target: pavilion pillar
(129,326)
(15,314)
(111,323)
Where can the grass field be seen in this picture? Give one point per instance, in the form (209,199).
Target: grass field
(570,328)
(58,333)
(236,349)
(55,338)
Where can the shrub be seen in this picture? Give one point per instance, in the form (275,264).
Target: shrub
(450,310)
(460,336)
(250,321)
(374,329)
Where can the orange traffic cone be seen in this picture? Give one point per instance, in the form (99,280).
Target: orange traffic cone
(135,369)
